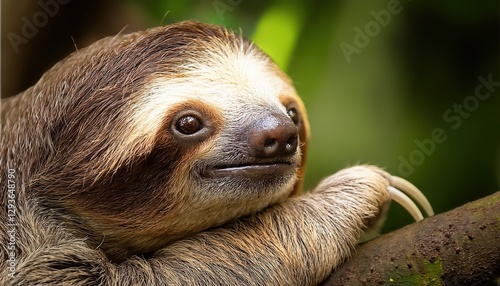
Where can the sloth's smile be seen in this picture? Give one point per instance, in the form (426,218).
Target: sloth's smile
(251,170)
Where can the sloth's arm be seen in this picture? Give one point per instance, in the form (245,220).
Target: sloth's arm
(298,242)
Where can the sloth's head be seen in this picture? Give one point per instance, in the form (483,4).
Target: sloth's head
(160,134)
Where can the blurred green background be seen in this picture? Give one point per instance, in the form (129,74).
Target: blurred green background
(390,83)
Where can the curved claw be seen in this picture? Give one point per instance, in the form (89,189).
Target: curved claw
(402,199)
(408,188)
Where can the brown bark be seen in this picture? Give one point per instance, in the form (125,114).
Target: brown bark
(459,247)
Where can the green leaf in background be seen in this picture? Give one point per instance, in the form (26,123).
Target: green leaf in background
(278,30)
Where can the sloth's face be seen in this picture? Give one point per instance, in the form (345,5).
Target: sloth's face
(239,124)
(231,137)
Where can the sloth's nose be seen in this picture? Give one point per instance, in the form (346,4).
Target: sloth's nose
(273,135)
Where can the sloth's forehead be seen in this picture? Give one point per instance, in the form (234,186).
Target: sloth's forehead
(240,81)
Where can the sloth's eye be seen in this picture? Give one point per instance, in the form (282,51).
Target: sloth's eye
(294,115)
(188,124)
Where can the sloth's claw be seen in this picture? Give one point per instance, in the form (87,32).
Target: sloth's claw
(400,189)
(402,199)
(412,191)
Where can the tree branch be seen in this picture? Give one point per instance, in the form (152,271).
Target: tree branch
(459,247)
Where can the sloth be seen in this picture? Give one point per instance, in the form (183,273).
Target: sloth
(174,156)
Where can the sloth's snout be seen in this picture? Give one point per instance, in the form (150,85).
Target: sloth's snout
(273,135)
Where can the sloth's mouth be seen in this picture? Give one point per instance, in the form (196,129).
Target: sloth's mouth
(250,170)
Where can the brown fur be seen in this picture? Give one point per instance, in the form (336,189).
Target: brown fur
(106,195)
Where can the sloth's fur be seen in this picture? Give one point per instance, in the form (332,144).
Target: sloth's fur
(108,192)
